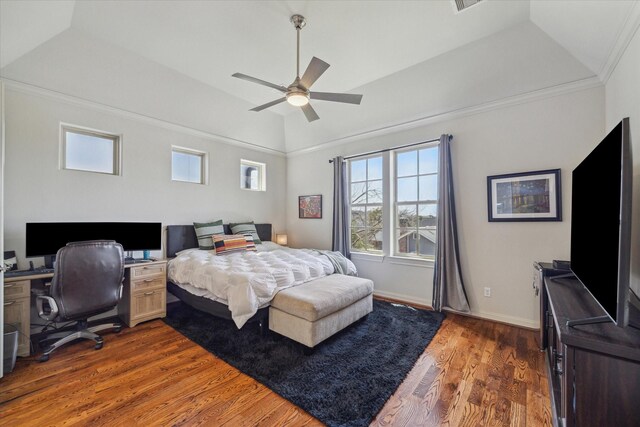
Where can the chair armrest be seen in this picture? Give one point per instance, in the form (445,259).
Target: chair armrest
(48,312)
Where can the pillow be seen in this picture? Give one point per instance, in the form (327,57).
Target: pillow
(247,227)
(225,243)
(206,230)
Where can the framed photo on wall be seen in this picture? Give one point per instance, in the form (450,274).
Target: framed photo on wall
(310,206)
(525,196)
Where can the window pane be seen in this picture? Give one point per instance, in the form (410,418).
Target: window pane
(89,153)
(375,168)
(249,177)
(428,215)
(427,242)
(407,189)
(358,170)
(359,239)
(407,216)
(406,241)
(374,192)
(357,217)
(408,163)
(358,193)
(186,167)
(374,217)
(429,160)
(429,187)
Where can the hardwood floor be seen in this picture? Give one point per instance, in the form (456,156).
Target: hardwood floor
(474,373)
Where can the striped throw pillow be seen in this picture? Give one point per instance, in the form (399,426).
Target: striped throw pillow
(225,244)
(246,228)
(205,231)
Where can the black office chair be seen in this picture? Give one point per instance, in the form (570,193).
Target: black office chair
(87,281)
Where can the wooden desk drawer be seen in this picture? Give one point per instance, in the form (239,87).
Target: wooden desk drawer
(148,283)
(149,270)
(17,289)
(152,303)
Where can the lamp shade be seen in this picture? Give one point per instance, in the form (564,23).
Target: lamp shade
(281,239)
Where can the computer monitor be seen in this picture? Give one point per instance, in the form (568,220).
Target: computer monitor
(45,238)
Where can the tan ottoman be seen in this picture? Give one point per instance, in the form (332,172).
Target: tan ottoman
(312,312)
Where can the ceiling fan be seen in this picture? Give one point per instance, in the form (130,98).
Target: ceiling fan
(298,93)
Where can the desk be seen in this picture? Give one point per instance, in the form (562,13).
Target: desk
(144,298)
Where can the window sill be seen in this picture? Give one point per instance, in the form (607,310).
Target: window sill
(362,256)
(413,262)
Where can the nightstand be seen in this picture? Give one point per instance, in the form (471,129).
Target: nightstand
(144,296)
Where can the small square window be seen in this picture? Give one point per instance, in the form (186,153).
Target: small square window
(188,165)
(253,175)
(90,151)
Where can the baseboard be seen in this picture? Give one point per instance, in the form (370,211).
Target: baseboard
(403,299)
(397,301)
(425,304)
(501,318)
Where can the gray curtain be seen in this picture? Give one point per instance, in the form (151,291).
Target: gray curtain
(448,286)
(340,236)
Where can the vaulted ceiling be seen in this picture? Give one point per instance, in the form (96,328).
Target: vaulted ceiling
(363,41)
(389,48)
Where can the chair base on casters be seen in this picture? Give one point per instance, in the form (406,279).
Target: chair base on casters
(82,332)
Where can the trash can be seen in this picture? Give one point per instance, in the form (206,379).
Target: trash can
(10,348)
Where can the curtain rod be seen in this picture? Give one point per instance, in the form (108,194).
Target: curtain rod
(384,150)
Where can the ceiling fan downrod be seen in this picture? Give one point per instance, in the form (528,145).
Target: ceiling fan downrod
(298,22)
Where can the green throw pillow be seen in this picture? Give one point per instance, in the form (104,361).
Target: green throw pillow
(247,227)
(205,232)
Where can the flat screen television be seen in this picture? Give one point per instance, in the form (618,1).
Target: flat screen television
(45,238)
(601,224)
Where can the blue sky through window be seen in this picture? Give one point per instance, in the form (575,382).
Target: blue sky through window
(89,153)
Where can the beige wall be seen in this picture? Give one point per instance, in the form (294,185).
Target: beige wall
(556,132)
(37,190)
(623,100)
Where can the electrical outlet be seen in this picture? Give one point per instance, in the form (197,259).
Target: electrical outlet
(487,292)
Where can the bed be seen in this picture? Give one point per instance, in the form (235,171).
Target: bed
(238,285)
(181,237)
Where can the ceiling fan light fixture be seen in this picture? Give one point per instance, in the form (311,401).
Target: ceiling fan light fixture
(297,99)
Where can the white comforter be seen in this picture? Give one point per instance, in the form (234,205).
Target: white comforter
(246,281)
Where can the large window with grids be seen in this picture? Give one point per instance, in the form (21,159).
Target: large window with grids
(394,202)
(416,202)
(365,176)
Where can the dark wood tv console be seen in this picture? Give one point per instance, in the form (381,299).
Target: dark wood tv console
(594,370)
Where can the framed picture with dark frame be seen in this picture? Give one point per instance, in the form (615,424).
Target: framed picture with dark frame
(525,196)
(310,206)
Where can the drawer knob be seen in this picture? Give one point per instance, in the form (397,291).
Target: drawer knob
(148,280)
(9,302)
(150,293)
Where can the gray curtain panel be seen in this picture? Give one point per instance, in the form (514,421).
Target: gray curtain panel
(448,286)
(340,236)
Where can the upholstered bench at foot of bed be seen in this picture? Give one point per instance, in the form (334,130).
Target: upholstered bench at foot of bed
(314,311)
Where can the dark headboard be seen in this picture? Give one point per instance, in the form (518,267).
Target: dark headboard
(180,237)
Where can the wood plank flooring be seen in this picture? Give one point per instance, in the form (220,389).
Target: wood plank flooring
(474,373)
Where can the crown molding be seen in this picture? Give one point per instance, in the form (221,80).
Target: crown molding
(149,120)
(536,95)
(626,34)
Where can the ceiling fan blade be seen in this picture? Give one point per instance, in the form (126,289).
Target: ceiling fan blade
(315,69)
(269,104)
(310,112)
(260,82)
(347,98)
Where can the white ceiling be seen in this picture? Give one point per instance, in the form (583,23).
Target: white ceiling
(362,40)
(24,25)
(209,41)
(566,21)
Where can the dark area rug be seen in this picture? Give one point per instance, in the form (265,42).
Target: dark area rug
(348,378)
